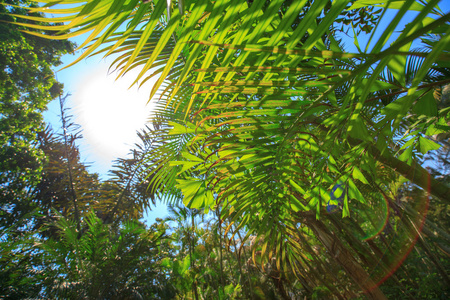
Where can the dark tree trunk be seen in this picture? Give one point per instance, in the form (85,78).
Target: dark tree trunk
(343,256)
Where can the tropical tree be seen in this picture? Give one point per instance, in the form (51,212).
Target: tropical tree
(27,85)
(19,276)
(186,232)
(266,115)
(105,262)
(128,184)
(54,245)
(209,264)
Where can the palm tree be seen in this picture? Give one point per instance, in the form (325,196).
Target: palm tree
(186,231)
(263,113)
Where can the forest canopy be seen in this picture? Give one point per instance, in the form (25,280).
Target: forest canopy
(313,134)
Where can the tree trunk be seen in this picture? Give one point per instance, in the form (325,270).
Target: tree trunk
(345,259)
(191,249)
(415,173)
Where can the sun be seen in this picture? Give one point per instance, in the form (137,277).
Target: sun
(110,113)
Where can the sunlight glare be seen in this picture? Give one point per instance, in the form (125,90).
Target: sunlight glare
(110,113)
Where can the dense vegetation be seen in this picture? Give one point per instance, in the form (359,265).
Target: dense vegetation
(293,162)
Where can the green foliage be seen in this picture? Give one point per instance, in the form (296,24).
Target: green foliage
(105,262)
(211,265)
(20,262)
(262,112)
(126,193)
(27,84)
(62,169)
(64,178)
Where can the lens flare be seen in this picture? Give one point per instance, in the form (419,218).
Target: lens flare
(378,217)
(399,233)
